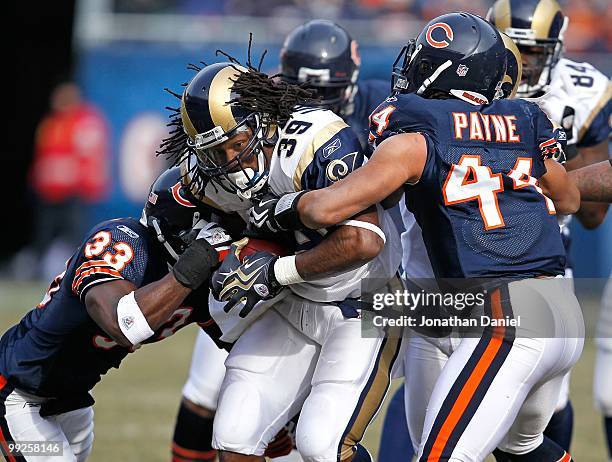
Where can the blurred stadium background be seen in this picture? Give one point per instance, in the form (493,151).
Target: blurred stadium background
(122,53)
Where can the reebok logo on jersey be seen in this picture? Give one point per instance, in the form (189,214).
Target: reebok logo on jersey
(127,321)
(128,231)
(332,147)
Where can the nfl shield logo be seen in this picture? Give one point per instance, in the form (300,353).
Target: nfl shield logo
(128,321)
(462,70)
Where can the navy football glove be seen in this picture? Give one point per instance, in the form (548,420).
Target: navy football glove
(271,214)
(196,263)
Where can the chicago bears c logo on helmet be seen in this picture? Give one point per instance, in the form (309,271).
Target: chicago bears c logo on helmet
(176,193)
(439,43)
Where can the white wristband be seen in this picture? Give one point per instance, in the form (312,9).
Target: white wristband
(131,321)
(286,272)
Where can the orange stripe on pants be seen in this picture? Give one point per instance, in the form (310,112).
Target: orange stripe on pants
(470,387)
(5,448)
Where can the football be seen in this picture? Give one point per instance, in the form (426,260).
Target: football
(256,245)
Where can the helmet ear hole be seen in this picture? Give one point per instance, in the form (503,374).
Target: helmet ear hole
(168,214)
(425,67)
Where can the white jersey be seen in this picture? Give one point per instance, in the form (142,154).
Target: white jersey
(577,100)
(315,149)
(415,261)
(577,94)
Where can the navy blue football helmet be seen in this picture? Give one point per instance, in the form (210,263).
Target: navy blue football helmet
(170,215)
(324,55)
(458,54)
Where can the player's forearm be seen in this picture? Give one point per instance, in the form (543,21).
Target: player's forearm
(590,214)
(347,248)
(398,160)
(159,299)
(558,187)
(594,181)
(156,301)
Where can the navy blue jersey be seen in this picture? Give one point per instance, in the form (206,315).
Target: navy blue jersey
(370,93)
(57,350)
(478,202)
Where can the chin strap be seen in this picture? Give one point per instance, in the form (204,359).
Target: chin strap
(434,76)
(160,237)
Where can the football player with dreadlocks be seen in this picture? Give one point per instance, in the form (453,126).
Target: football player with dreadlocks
(130,282)
(576,96)
(248,139)
(324,56)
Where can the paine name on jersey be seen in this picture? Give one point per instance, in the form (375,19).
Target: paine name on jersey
(315,149)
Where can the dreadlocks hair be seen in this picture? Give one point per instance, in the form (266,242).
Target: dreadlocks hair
(267,95)
(254,90)
(175,147)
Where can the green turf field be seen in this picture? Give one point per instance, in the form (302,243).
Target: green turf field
(136,405)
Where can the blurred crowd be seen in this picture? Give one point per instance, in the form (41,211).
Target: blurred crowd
(588,30)
(70,170)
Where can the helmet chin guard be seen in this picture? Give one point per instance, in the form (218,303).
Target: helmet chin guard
(248,181)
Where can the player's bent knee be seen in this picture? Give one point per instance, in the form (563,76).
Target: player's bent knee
(317,435)
(316,444)
(603,401)
(520,445)
(236,425)
(78,427)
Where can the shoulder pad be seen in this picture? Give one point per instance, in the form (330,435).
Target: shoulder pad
(113,250)
(588,94)
(312,137)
